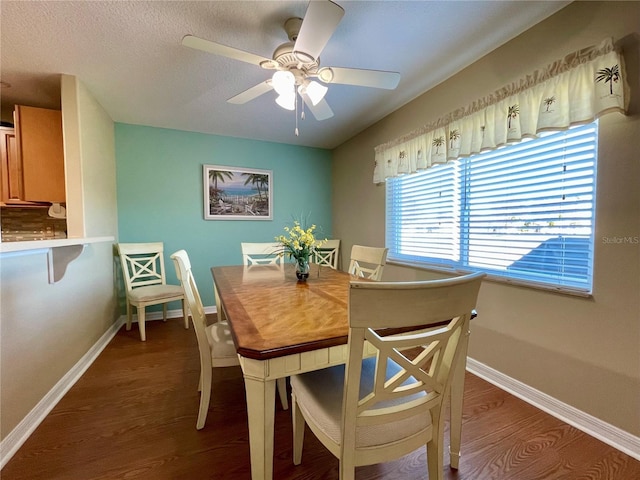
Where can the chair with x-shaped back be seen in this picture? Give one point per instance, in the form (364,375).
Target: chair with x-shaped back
(368,262)
(379,408)
(328,253)
(269,253)
(145,281)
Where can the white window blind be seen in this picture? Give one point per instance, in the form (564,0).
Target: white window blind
(523,212)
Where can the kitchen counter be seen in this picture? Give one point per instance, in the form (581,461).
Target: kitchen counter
(59,253)
(34,245)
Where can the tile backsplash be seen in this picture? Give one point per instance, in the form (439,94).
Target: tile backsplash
(20,224)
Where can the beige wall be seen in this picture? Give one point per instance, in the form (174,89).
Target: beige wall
(89,162)
(584,352)
(98,166)
(46,328)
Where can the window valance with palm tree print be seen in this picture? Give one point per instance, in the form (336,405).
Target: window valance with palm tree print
(577,89)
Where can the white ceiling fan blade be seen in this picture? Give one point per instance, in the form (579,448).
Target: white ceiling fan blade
(362,78)
(251,93)
(321,110)
(219,49)
(319,23)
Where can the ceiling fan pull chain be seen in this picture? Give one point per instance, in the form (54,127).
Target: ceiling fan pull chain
(296,130)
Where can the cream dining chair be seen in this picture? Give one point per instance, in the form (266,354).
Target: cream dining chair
(367,262)
(145,281)
(270,253)
(379,408)
(215,344)
(327,254)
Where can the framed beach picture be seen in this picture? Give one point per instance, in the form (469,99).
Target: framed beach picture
(235,193)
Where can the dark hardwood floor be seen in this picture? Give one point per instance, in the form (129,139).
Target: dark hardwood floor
(133,414)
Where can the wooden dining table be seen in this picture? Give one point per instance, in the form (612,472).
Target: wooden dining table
(282,327)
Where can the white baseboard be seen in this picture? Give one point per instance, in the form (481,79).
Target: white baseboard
(12,442)
(607,433)
(151,316)
(16,438)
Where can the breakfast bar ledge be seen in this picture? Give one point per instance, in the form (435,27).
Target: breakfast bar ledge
(59,252)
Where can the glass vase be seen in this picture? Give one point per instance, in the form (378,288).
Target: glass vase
(302,269)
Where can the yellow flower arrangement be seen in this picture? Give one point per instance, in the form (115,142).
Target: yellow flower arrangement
(300,243)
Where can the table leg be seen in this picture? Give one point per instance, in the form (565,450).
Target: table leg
(261,396)
(220,311)
(457,396)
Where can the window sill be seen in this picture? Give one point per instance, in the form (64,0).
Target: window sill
(495,279)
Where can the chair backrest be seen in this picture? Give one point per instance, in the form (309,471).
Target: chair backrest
(420,380)
(142,264)
(261,253)
(192,296)
(327,254)
(368,262)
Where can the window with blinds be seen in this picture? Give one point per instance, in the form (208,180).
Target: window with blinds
(523,212)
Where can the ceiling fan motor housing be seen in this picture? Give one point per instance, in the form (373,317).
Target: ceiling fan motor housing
(292,28)
(287,60)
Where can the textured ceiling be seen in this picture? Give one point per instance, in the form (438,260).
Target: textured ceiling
(128,54)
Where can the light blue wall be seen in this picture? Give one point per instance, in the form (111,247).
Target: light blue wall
(160,198)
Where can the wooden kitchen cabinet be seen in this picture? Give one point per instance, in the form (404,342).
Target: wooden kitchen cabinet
(10,168)
(40,153)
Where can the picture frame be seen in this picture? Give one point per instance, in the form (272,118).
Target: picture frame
(237,193)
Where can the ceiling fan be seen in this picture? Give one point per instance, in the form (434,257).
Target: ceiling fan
(297,63)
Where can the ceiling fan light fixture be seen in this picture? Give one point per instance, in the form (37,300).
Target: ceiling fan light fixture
(283,82)
(287,100)
(315,91)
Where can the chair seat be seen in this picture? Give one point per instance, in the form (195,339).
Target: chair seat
(221,342)
(155,292)
(319,394)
